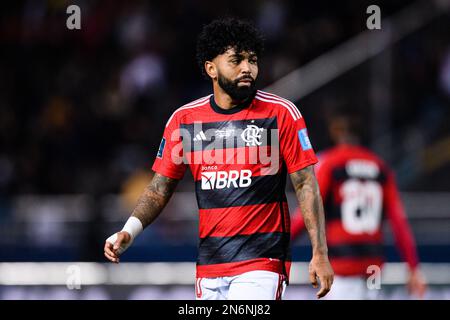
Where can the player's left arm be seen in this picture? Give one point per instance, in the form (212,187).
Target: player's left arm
(323,176)
(310,201)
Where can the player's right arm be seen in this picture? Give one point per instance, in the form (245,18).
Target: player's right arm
(150,204)
(169,169)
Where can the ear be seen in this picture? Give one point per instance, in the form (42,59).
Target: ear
(211,69)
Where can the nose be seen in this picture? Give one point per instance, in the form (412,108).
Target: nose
(245,66)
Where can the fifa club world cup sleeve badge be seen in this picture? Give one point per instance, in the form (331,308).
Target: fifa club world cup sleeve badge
(161,148)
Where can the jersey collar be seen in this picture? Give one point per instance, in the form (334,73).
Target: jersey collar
(245,104)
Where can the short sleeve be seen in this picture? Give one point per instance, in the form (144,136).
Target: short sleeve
(295,146)
(169,158)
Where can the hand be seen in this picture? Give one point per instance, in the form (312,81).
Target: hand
(320,267)
(416,284)
(116,244)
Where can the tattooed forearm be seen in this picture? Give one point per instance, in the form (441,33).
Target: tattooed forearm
(154,198)
(310,201)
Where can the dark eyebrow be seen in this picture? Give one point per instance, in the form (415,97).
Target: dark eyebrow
(241,56)
(237,55)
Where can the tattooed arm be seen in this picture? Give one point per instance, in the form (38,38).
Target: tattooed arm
(310,201)
(150,204)
(154,198)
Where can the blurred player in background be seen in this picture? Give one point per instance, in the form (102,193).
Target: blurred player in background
(359,191)
(244,247)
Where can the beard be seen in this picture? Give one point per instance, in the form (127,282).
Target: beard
(232,88)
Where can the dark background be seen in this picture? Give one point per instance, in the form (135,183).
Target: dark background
(82,113)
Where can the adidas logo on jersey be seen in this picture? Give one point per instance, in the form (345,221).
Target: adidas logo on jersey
(200,136)
(225,179)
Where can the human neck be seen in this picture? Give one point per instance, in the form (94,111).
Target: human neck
(222,99)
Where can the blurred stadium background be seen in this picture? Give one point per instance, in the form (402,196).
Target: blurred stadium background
(82,114)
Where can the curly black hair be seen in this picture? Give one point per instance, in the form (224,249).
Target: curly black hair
(222,34)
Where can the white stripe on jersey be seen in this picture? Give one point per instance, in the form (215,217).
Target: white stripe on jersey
(294,116)
(273,96)
(193,104)
(196,101)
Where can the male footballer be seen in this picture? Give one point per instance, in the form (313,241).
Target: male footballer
(239,143)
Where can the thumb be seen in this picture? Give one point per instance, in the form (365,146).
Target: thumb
(119,241)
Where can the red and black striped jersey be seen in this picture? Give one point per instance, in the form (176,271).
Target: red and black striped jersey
(239,159)
(359,193)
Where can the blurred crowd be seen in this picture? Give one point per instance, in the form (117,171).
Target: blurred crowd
(82,111)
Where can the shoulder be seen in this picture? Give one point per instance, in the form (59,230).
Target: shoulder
(385,170)
(332,157)
(187,109)
(373,156)
(284,106)
(360,152)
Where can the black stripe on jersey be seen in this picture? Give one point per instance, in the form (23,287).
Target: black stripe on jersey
(333,211)
(214,250)
(340,174)
(262,190)
(355,250)
(228,134)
